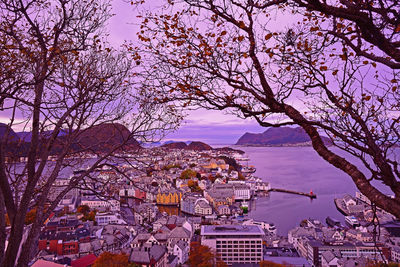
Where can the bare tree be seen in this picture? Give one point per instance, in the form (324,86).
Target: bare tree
(225,55)
(61,81)
(366,27)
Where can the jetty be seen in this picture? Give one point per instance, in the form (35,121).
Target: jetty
(310,195)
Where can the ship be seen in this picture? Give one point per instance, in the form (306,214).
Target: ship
(352,221)
(332,222)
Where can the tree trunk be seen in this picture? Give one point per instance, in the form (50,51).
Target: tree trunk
(14,240)
(29,248)
(381,200)
(3,235)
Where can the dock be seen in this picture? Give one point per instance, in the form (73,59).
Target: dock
(341,206)
(310,195)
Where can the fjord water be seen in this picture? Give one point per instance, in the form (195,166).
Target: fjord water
(299,169)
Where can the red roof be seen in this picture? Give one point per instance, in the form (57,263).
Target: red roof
(84,261)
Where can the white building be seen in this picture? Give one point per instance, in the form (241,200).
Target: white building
(202,208)
(241,191)
(70,200)
(270,227)
(99,204)
(105,218)
(395,254)
(181,250)
(234,243)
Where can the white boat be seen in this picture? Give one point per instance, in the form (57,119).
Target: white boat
(248,170)
(352,221)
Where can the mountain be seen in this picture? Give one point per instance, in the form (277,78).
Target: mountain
(103,137)
(198,146)
(229,149)
(27,136)
(6,130)
(100,138)
(278,137)
(174,145)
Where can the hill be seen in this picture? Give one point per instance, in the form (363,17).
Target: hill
(27,136)
(175,145)
(198,146)
(103,137)
(100,139)
(229,149)
(6,130)
(281,136)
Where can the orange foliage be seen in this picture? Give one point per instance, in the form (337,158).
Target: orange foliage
(84,209)
(200,256)
(270,264)
(194,186)
(30,216)
(108,259)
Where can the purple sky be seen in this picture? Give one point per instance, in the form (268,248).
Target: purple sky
(212,127)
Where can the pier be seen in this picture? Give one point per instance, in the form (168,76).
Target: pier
(310,195)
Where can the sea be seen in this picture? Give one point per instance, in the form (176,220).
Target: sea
(299,169)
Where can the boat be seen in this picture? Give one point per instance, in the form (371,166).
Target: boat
(242,158)
(332,222)
(352,221)
(248,170)
(244,204)
(269,227)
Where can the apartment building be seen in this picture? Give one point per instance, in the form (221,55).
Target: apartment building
(234,243)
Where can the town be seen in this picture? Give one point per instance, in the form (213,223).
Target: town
(157,206)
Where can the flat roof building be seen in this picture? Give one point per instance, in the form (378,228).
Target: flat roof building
(234,243)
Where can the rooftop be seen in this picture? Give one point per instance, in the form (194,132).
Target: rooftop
(231,230)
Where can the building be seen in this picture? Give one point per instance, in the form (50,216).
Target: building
(240,191)
(219,195)
(155,256)
(203,208)
(145,212)
(234,243)
(99,204)
(395,251)
(105,218)
(313,249)
(349,200)
(181,250)
(170,197)
(179,233)
(69,201)
(63,242)
(223,210)
(189,202)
